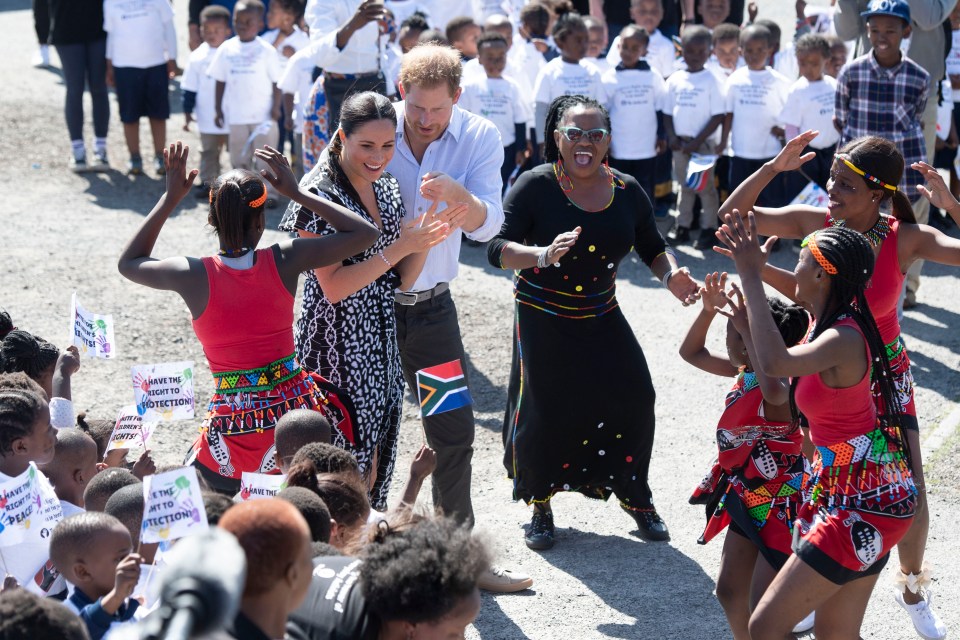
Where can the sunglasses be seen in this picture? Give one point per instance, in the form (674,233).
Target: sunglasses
(574,134)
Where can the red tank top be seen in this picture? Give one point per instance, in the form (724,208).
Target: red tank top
(883,292)
(248,322)
(837,415)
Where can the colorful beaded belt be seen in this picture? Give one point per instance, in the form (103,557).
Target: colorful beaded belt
(259,379)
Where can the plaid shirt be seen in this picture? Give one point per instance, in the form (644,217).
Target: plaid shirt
(876,101)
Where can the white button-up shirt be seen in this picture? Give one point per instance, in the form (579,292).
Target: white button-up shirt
(361,53)
(470,152)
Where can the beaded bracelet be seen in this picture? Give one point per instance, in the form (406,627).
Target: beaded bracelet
(542,258)
(384,258)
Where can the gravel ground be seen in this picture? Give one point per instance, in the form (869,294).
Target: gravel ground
(63,233)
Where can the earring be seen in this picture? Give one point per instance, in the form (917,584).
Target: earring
(565,182)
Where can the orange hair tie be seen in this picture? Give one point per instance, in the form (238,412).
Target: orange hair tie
(259,202)
(810,242)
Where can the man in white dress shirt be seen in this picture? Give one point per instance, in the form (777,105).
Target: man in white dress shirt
(346,42)
(444,153)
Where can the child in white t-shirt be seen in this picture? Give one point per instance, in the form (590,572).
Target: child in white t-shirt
(596,44)
(810,105)
(499,100)
(635,99)
(247,99)
(755,96)
(661,53)
(295,85)
(200,95)
(693,109)
(74,464)
(569,74)
(283,33)
(141,59)
(725,57)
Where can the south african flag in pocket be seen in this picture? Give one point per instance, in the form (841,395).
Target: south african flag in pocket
(442,388)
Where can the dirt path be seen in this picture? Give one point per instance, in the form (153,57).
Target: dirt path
(63,233)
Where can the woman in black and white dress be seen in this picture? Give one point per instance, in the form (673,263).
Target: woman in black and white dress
(347,326)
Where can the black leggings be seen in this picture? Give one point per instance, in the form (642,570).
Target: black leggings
(85,64)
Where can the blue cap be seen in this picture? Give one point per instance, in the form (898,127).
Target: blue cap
(896,8)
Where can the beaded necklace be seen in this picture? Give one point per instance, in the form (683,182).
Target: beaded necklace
(566,185)
(875,235)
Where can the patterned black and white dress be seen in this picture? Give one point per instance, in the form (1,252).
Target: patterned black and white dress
(353,343)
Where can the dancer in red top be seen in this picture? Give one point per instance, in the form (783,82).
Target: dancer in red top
(241,301)
(754,487)
(863,178)
(860,497)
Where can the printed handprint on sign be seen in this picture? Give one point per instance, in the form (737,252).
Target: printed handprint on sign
(102,345)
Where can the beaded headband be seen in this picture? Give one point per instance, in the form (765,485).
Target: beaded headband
(810,242)
(866,176)
(253,204)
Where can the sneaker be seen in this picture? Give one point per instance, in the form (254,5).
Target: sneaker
(100,162)
(806,624)
(500,580)
(706,240)
(651,526)
(135,166)
(925,620)
(680,235)
(158,165)
(539,536)
(41,59)
(79,164)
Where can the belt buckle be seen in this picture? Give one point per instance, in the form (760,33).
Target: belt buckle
(407,299)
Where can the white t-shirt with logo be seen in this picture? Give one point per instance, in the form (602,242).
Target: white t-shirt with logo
(559,78)
(755,98)
(633,99)
(195,79)
(249,69)
(139,32)
(499,100)
(692,100)
(810,105)
(661,54)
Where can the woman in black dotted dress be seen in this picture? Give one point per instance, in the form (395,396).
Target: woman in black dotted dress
(347,326)
(580,411)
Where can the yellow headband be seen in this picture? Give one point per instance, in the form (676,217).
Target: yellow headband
(866,175)
(810,242)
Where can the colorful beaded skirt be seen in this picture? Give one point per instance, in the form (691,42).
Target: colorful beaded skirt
(860,501)
(237,433)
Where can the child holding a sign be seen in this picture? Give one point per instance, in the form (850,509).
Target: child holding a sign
(47,366)
(251,354)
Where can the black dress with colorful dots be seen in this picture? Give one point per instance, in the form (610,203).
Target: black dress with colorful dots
(580,399)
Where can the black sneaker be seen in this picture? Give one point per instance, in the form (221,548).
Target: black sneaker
(706,240)
(680,235)
(651,525)
(539,536)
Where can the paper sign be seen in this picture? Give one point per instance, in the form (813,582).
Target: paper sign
(256,486)
(812,195)
(130,430)
(698,171)
(28,513)
(173,506)
(163,391)
(92,333)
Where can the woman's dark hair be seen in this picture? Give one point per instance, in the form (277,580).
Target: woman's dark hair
(357,110)
(852,255)
(19,411)
(347,502)
(558,108)
(881,158)
(792,320)
(6,324)
(566,23)
(230,212)
(423,572)
(22,351)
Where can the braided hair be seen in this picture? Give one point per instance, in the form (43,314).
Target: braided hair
(558,108)
(21,404)
(22,351)
(230,212)
(881,158)
(850,252)
(791,319)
